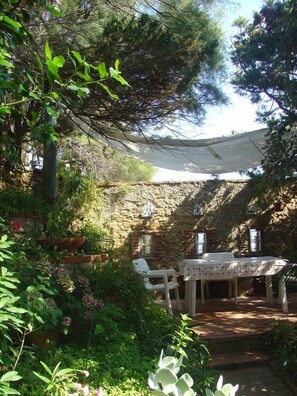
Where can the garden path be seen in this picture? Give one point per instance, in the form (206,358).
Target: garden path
(232,330)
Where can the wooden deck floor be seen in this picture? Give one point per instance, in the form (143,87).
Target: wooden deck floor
(222,318)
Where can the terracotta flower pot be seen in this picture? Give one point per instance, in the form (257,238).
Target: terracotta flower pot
(70,244)
(44,340)
(85,259)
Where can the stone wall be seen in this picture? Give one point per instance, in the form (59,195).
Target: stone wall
(224,218)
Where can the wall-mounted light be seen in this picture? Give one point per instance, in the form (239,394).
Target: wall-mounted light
(148,210)
(198,210)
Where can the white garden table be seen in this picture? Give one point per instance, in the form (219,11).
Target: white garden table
(197,269)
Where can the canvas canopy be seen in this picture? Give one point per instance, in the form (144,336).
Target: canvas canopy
(217,155)
(210,156)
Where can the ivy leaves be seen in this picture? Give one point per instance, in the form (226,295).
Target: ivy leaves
(53,85)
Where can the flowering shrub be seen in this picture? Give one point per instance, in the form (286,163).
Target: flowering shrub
(54,296)
(90,303)
(66,382)
(15,226)
(63,279)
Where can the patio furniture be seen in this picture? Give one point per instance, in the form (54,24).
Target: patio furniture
(197,269)
(219,257)
(141,266)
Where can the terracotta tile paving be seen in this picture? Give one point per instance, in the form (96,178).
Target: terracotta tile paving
(222,318)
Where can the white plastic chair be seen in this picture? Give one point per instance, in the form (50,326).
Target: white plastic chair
(141,266)
(219,257)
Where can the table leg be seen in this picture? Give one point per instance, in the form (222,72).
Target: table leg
(187,294)
(282,295)
(192,308)
(268,284)
(202,291)
(235,289)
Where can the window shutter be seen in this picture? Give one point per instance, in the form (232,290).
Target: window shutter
(212,240)
(189,244)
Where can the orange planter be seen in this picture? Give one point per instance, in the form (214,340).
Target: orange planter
(84,259)
(44,340)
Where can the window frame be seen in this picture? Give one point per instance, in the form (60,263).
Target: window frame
(198,244)
(143,245)
(257,240)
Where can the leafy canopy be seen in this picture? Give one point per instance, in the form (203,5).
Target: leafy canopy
(265,54)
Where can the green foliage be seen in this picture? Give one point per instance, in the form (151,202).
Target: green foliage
(102,162)
(17,200)
(196,357)
(266,70)
(165,381)
(6,379)
(282,346)
(45,88)
(11,313)
(267,74)
(124,334)
(59,382)
(173,61)
(73,212)
(11,316)
(181,337)
(116,327)
(134,170)
(35,95)
(118,367)
(223,390)
(279,164)
(172,56)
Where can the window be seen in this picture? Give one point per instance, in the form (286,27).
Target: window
(146,245)
(255,240)
(200,242)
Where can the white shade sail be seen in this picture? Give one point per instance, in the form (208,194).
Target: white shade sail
(210,156)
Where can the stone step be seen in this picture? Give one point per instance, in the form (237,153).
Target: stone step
(236,360)
(243,368)
(240,344)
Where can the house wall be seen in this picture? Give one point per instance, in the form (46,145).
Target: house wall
(173,223)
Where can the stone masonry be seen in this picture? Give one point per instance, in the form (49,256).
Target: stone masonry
(225,218)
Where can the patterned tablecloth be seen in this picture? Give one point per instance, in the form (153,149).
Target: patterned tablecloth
(198,269)
(195,269)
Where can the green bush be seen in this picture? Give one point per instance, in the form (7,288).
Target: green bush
(15,200)
(117,329)
(118,367)
(282,346)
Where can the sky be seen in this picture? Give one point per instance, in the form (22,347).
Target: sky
(238,116)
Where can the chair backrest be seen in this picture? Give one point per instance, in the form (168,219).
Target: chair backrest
(218,256)
(141,266)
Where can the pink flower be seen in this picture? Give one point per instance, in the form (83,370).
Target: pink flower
(16,226)
(99,392)
(77,386)
(85,390)
(85,373)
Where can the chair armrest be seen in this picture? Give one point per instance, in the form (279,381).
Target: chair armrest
(170,272)
(154,275)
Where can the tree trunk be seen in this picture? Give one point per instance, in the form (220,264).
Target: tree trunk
(49,171)
(50,165)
